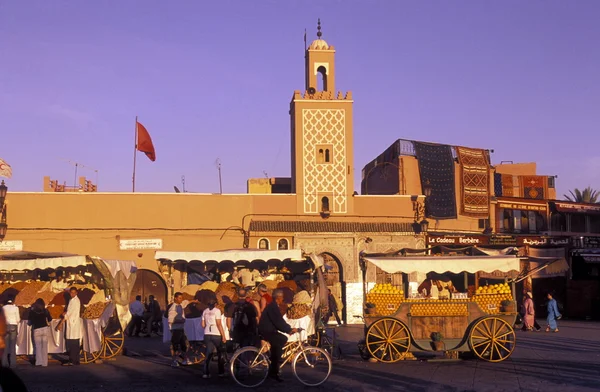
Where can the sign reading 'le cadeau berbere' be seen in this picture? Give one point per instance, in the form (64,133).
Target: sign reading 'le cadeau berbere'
(140,244)
(456,240)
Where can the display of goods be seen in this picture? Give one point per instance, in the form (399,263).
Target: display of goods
(85,296)
(205,295)
(94,311)
(386,298)
(209,285)
(440,308)
(28,294)
(18,285)
(225,286)
(226,293)
(297,311)
(46,296)
(290,284)
(56,311)
(4,286)
(98,297)
(489,298)
(59,300)
(190,289)
(304,284)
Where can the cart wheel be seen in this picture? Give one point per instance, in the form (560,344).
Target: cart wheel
(387,340)
(492,339)
(113,339)
(86,357)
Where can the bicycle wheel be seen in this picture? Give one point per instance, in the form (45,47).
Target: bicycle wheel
(249,367)
(312,366)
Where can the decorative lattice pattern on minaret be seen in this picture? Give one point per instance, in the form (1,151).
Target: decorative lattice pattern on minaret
(324,126)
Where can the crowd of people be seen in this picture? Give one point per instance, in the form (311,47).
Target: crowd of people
(246,325)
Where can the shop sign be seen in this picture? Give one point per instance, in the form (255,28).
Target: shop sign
(522,206)
(457,240)
(509,240)
(140,244)
(591,242)
(543,241)
(577,208)
(11,246)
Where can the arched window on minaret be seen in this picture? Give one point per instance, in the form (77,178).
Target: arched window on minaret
(322,80)
(324,204)
(320,158)
(327,156)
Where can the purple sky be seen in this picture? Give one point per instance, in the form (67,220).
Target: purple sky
(213,79)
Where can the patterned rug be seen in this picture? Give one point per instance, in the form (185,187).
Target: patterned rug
(507,185)
(436,167)
(533,187)
(475,181)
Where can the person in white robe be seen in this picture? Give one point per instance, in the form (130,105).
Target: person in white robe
(73,328)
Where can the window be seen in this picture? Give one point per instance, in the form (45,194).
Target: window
(282,244)
(578,223)
(324,153)
(324,204)
(517,221)
(483,223)
(558,222)
(263,243)
(594,224)
(551,182)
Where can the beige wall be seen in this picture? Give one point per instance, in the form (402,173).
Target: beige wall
(517,169)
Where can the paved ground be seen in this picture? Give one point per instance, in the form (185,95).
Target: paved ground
(564,361)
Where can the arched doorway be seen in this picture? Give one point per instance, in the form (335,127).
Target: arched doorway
(334,278)
(150,283)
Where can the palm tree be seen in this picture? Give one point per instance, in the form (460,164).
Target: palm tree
(588,195)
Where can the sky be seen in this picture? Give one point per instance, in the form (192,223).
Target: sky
(212,80)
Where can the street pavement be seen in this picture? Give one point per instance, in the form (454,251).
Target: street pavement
(564,361)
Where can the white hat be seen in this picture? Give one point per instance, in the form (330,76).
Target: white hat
(530,295)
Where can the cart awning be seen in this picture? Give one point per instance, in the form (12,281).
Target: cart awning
(29,261)
(440,264)
(233,255)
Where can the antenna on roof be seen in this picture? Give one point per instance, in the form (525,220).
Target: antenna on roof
(183,183)
(266,174)
(218,165)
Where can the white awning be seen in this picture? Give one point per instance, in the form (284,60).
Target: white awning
(233,255)
(548,268)
(441,264)
(42,263)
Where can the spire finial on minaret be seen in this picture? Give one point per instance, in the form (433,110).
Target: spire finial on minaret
(319,33)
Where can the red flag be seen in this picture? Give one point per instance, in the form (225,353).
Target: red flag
(144,142)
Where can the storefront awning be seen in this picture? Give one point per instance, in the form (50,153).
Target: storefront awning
(29,261)
(440,264)
(233,255)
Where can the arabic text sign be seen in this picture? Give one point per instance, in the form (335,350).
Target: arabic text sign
(11,246)
(140,244)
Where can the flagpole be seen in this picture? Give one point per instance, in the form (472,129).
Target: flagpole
(134,152)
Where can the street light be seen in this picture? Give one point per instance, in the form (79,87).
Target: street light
(3,225)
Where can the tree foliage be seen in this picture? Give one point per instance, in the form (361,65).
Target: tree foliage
(588,195)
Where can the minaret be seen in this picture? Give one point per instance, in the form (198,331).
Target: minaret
(322,142)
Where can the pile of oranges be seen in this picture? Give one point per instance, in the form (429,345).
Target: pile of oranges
(386,298)
(489,298)
(445,308)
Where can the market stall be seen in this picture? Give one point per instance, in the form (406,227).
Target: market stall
(437,317)
(299,277)
(103,285)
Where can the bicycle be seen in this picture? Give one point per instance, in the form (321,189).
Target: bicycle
(249,366)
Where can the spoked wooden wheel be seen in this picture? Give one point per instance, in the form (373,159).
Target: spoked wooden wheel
(492,339)
(113,339)
(86,357)
(387,340)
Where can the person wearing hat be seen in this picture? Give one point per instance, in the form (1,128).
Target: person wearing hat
(528,312)
(13,318)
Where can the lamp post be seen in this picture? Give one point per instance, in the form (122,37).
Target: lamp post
(3,225)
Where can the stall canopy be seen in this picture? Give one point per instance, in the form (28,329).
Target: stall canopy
(29,261)
(453,264)
(235,256)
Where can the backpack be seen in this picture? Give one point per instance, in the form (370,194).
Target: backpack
(240,322)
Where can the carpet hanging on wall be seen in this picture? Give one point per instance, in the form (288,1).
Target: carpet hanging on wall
(497,184)
(474,182)
(436,167)
(508,185)
(533,187)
